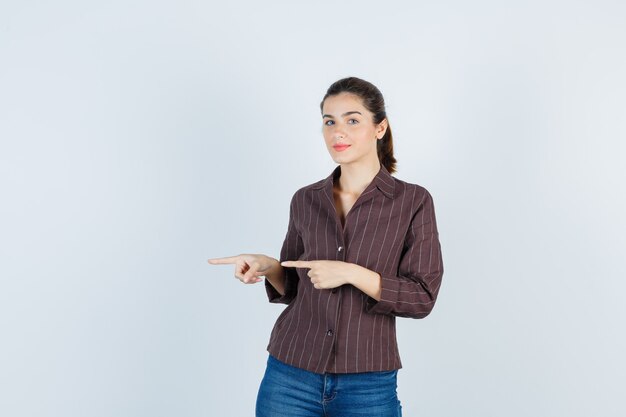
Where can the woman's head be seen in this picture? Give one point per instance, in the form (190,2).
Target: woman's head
(366,132)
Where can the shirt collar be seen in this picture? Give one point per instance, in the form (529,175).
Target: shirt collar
(383,181)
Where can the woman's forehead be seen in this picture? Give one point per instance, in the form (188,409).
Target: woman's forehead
(343,102)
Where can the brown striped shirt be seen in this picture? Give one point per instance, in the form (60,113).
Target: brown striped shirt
(391,230)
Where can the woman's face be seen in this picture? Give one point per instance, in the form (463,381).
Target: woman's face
(347,122)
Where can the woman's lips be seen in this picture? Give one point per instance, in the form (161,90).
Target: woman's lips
(340,148)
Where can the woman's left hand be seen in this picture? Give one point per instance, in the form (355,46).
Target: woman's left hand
(327,274)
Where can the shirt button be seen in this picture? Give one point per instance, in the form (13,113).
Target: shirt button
(340,248)
(334,290)
(329,333)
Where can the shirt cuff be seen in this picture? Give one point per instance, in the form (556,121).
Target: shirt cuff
(390,288)
(290,288)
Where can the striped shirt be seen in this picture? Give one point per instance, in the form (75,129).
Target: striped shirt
(390,229)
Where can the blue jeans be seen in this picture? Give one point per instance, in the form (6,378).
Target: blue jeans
(287,391)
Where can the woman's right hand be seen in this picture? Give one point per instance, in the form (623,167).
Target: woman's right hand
(248,267)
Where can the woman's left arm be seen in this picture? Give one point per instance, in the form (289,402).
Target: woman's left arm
(413,292)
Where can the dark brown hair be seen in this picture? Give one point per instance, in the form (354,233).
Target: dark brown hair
(373,101)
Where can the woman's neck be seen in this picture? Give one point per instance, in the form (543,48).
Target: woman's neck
(356,176)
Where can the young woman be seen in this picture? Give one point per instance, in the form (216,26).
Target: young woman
(361,249)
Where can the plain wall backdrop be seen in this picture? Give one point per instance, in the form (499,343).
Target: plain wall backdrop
(140,138)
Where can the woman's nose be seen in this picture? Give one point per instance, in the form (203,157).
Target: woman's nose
(338,134)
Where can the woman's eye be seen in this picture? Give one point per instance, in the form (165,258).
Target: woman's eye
(350,120)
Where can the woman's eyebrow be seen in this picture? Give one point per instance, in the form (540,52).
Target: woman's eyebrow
(343,115)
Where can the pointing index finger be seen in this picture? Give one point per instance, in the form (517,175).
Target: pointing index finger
(297,264)
(225,260)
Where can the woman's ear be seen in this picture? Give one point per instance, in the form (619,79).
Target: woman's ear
(381,129)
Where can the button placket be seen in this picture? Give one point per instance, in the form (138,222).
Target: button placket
(339,250)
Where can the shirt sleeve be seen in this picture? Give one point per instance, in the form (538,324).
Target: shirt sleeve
(291,250)
(413,291)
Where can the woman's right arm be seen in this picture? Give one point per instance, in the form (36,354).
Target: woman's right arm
(281,284)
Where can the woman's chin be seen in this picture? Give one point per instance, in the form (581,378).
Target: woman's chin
(339,159)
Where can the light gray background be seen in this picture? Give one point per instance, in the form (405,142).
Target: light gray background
(140,138)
